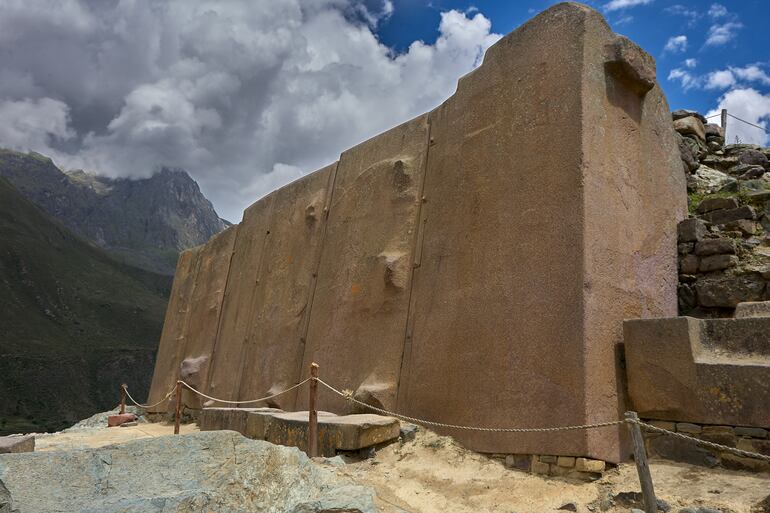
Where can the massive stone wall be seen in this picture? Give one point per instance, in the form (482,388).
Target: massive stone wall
(472,265)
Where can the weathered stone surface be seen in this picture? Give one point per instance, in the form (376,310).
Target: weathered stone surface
(725,216)
(589,465)
(691,230)
(711,180)
(751,431)
(728,291)
(14,444)
(208,471)
(690,126)
(717,262)
(710,371)
(172,338)
(716,203)
(413,259)
(753,309)
(715,247)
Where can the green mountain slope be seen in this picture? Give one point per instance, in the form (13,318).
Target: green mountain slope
(74,323)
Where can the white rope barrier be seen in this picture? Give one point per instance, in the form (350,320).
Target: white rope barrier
(191,389)
(348,396)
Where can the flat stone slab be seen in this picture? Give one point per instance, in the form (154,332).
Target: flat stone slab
(15,444)
(335,432)
(753,309)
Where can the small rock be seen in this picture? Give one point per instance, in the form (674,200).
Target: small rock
(408,432)
(716,203)
(688,264)
(120,418)
(726,216)
(686,113)
(753,432)
(570,506)
(717,262)
(715,247)
(691,230)
(753,157)
(589,465)
(713,130)
(752,173)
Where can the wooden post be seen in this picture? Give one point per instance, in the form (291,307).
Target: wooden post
(724,121)
(312,421)
(123,398)
(640,457)
(178,415)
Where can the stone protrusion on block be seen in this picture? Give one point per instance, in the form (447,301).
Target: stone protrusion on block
(704,371)
(16,443)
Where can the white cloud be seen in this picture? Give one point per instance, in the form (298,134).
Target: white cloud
(724,33)
(246,94)
(690,63)
(717,11)
(687,79)
(676,44)
(752,73)
(749,105)
(721,79)
(615,5)
(34,124)
(691,15)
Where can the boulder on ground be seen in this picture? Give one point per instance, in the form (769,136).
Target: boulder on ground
(754,158)
(686,113)
(206,471)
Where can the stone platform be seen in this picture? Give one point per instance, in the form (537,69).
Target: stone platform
(335,432)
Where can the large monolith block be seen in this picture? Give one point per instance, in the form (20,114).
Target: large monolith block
(471,266)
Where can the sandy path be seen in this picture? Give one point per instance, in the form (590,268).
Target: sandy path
(98,437)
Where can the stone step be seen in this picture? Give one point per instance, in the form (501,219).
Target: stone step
(335,432)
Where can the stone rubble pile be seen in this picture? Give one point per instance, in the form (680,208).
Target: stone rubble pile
(724,246)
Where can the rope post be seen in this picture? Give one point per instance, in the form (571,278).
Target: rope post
(178,414)
(312,421)
(123,398)
(640,458)
(724,121)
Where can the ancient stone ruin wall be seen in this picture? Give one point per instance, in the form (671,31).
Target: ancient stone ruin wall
(471,266)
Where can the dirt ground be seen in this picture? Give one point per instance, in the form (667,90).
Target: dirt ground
(432,474)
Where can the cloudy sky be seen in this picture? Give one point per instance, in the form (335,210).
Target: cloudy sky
(248,95)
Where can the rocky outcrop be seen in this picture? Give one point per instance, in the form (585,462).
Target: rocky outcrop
(144,222)
(208,471)
(724,247)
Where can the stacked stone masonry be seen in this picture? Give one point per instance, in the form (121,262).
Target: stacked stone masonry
(724,247)
(750,439)
(435,272)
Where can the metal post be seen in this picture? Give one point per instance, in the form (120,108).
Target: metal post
(640,458)
(312,421)
(123,398)
(724,121)
(178,415)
